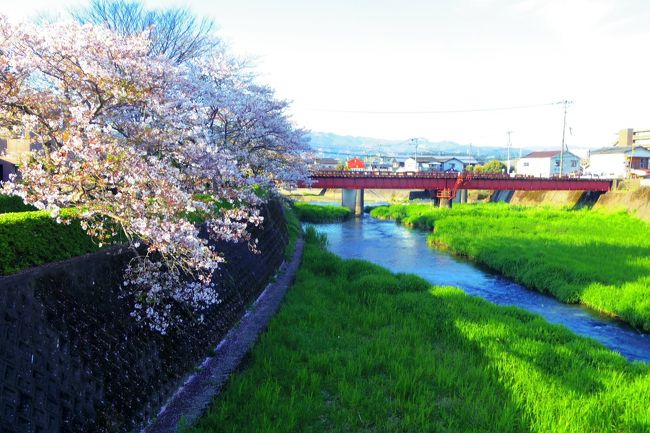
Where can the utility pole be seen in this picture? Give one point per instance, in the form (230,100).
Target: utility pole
(415,140)
(509,145)
(565,102)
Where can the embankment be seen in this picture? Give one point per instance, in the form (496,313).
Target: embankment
(636,202)
(71,357)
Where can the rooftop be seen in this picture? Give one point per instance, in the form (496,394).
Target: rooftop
(619,149)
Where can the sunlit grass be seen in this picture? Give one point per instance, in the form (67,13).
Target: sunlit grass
(598,259)
(356,348)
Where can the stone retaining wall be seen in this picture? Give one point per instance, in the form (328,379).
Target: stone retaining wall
(73,360)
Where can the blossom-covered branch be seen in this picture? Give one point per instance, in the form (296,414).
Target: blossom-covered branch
(132,141)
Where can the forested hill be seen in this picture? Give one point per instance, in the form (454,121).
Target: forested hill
(341,146)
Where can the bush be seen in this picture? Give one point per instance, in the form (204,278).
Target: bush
(13,203)
(34,238)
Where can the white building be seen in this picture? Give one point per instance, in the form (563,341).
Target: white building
(547,164)
(619,161)
(325,164)
(439,163)
(423,163)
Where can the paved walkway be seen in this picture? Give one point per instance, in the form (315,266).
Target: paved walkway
(193,398)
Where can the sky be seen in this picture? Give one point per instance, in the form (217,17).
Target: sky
(442,70)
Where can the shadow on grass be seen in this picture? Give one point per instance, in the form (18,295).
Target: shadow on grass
(356,348)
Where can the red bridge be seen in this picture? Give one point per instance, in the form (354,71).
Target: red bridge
(451,181)
(442,186)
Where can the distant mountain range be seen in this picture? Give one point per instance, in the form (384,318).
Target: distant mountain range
(326,144)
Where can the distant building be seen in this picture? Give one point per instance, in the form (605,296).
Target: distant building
(619,161)
(11,150)
(325,164)
(439,163)
(422,163)
(547,164)
(356,164)
(452,164)
(629,137)
(466,160)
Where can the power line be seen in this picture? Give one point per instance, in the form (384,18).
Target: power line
(468,110)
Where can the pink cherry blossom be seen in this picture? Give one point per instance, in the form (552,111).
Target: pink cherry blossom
(140,145)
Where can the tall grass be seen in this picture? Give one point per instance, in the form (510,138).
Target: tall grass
(356,348)
(598,259)
(312,213)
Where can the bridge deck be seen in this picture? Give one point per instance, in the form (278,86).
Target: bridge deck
(440,181)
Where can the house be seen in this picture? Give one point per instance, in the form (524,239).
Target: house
(381,163)
(466,161)
(325,164)
(422,163)
(619,161)
(356,164)
(439,163)
(547,164)
(11,150)
(452,164)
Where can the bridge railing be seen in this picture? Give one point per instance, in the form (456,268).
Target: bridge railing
(440,175)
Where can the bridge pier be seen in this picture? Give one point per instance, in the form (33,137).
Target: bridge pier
(359,205)
(353,199)
(445,202)
(462,196)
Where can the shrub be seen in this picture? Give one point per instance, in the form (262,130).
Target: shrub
(13,203)
(34,238)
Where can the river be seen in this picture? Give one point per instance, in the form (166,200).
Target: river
(401,249)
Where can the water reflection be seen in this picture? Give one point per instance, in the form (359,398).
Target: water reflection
(403,250)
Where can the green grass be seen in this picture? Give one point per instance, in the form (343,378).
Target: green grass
(12,203)
(599,259)
(312,213)
(356,348)
(33,238)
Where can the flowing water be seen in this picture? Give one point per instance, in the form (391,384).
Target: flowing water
(405,250)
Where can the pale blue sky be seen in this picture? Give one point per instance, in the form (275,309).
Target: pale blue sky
(388,55)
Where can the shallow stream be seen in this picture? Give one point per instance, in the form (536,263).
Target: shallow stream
(405,250)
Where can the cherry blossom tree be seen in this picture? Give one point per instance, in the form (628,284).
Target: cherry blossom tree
(252,124)
(174,32)
(130,139)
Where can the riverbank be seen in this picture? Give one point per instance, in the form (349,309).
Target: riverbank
(334,195)
(598,259)
(357,348)
(313,213)
(629,197)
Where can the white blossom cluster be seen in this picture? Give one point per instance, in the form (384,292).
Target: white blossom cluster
(145,148)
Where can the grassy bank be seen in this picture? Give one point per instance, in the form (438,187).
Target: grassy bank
(598,259)
(358,349)
(312,213)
